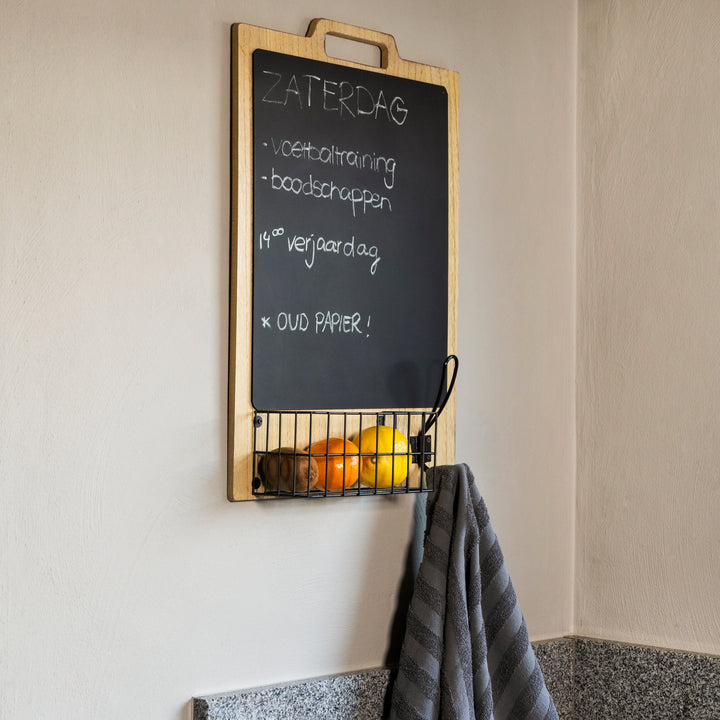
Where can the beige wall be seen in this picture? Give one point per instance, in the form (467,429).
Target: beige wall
(649,324)
(127,582)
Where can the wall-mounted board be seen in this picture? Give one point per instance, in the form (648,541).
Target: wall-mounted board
(350,207)
(344,232)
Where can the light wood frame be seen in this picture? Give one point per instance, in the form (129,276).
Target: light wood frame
(246,39)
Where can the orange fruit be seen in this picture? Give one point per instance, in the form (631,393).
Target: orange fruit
(385,456)
(336,458)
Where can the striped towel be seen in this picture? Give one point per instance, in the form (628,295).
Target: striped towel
(466,653)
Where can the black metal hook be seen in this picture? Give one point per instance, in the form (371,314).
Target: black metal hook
(421,442)
(440,401)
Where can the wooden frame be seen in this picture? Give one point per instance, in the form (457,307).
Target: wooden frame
(246,39)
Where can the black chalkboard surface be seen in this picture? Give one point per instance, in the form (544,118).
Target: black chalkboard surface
(350,236)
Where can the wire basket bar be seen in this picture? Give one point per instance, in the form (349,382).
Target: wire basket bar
(323,453)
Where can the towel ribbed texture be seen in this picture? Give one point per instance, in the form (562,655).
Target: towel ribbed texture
(466,653)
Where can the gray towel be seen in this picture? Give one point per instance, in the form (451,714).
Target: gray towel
(466,653)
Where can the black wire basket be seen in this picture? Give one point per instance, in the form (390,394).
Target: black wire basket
(325,453)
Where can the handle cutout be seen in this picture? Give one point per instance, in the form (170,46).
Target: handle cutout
(357,51)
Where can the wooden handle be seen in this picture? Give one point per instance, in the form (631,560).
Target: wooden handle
(321,27)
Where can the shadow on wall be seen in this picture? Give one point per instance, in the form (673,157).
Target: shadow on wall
(377,552)
(413,557)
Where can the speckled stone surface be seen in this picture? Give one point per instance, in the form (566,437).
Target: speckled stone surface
(628,682)
(361,695)
(588,680)
(356,696)
(557,662)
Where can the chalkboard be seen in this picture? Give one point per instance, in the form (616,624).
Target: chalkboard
(350,236)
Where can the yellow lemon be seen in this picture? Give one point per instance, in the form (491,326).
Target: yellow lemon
(384,454)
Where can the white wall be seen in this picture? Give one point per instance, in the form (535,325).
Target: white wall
(516,404)
(649,324)
(127,582)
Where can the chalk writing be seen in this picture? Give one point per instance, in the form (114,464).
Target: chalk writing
(360,199)
(311,246)
(344,98)
(325,322)
(293,322)
(265,236)
(337,156)
(349,217)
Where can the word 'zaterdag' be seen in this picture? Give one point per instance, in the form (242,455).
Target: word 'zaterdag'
(342,97)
